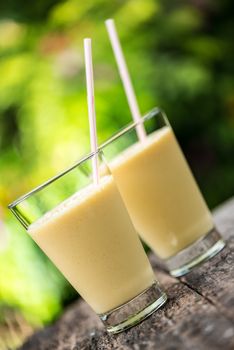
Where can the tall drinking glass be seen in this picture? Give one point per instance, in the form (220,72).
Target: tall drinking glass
(161,195)
(86,231)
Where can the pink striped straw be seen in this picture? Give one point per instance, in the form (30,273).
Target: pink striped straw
(91,107)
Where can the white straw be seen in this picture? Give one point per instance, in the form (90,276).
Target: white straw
(124,74)
(91,107)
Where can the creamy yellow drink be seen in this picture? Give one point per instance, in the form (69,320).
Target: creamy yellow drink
(160,193)
(91,239)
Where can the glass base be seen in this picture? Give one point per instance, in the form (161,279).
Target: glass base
(135,310)
(198,252)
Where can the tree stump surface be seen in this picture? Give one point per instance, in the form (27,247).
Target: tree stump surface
(199,313)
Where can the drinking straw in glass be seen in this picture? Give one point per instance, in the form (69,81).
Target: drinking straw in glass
(85,229)
(161,194)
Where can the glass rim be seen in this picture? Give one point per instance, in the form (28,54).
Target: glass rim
(132,125)
(52,179)
(128,127)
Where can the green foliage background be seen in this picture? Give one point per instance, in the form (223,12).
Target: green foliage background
(181,58)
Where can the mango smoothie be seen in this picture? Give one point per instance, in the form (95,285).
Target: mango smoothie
(91,239)
(160,193)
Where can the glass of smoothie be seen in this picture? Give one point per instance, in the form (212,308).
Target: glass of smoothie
(161,194)
(86,231)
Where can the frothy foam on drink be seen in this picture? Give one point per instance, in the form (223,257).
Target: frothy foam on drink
(139,147)
(74,200)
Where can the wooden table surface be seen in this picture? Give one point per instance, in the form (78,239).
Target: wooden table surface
(199,314)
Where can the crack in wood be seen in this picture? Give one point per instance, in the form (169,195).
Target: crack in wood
(210,301)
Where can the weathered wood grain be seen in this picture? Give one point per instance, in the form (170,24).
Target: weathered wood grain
(214,280)
(199,314)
